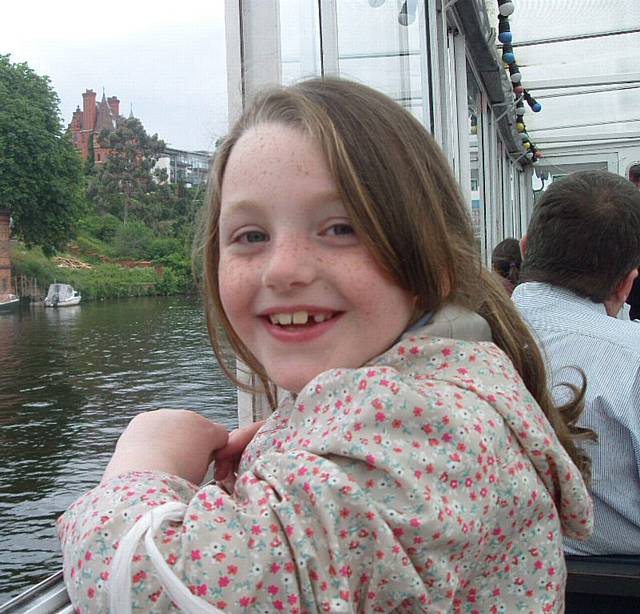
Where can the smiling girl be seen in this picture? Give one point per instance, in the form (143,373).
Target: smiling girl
(417,464)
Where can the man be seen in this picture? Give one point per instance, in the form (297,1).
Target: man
(581,257)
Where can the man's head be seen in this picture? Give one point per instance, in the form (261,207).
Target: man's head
(584,235)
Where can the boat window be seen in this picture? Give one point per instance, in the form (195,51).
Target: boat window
(299,39)
(477,200)
(580,60)
(384,44)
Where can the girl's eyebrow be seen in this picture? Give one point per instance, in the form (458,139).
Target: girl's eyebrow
(241,205)
(328,197)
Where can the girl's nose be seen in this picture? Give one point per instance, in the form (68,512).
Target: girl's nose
(289,264)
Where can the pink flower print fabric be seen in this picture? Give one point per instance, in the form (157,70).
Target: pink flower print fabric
(428,481)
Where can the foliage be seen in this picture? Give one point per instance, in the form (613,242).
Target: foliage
(180,266)
(132,240)
(161,248)
(34,265)
(91,249)
(103,227)
(40,170)
(177,278)
(113,281)
(170,283)
(101,281)
(124,183)
(166,228)
(90,162)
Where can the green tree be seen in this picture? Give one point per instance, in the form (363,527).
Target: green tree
(90,162)
(132,240)
(40,170)
(124,184)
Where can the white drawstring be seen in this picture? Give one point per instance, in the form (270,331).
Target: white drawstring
(119,587)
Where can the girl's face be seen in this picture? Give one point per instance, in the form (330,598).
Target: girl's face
(297,284)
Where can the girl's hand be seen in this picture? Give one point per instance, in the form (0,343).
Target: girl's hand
(228,457)
(179,442)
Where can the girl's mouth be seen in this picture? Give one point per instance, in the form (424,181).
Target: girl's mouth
(299,319)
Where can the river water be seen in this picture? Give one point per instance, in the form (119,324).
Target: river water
(70,380)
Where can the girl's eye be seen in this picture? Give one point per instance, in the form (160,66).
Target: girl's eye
(338,230)
(252,236)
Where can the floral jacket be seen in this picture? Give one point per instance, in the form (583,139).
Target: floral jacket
(427,481)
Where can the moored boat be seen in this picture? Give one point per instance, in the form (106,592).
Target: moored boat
(8,301)
(61,295)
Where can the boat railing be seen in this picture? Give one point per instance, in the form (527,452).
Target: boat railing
(596,584)
(47,597)
(615,578)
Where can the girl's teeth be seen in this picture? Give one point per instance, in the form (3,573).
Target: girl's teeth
(300,317)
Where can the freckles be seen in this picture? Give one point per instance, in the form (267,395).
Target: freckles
(232,280)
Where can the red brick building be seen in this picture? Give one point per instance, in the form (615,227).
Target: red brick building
(86,124)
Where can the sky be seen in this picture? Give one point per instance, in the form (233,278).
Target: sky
(166,59)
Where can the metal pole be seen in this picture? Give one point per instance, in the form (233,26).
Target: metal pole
(575,37)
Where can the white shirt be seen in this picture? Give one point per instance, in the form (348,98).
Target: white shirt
(576,332)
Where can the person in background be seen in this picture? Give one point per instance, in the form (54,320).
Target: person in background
(418,463)
(506,261)
(581,258)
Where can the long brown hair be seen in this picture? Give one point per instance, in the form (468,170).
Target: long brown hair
(405,205)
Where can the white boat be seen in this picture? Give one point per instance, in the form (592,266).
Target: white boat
(8,301)
(61,295)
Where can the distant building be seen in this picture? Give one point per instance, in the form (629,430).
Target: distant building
(188,167)
(86,124)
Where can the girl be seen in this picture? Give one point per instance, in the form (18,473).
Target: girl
(418,463)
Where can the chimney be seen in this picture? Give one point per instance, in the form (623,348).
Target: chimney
(89,110)
(114,105)
(76,120)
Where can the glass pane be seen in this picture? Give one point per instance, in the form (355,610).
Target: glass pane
(579,104)
(539,19)
(383,44)
(607,112)
(475,155)
(299,40)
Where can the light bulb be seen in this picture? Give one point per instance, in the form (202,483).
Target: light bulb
(506,8)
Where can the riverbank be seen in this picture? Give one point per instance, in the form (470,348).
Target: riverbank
(99,277)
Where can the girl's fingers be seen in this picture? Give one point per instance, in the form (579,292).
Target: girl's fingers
(227,458)
(222,469)
(237,442)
